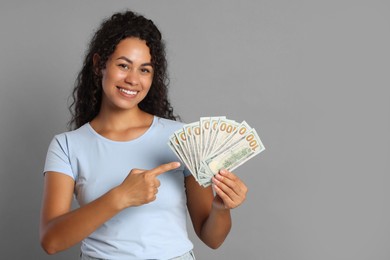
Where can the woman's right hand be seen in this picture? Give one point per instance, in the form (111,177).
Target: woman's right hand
(141,186)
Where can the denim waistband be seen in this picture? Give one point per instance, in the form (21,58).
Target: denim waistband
(187,256)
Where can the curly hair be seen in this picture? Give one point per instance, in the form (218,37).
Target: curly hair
(87,93)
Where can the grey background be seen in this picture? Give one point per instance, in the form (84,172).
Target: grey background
(311,76)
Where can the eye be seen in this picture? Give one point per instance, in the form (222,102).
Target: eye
(146,71)
(123,66)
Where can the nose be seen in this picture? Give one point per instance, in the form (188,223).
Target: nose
(132,77)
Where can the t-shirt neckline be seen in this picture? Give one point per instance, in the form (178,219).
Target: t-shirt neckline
(144,135)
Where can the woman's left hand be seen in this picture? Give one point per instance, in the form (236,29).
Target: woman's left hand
(230,190)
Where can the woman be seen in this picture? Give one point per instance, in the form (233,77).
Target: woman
(133,196)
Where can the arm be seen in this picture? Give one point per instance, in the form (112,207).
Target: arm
(210,214)
(62,228)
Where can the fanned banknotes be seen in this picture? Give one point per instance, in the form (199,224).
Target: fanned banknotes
(214,143)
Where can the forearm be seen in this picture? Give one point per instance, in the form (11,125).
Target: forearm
(216,228)
(67,230)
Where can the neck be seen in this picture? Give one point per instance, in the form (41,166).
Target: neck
(121,120)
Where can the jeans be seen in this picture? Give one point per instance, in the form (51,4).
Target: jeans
(187,256)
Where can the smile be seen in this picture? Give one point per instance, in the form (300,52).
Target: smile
(128,92)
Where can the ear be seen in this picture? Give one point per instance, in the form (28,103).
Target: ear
(95,60)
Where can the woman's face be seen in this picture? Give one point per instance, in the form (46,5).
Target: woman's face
(128,75)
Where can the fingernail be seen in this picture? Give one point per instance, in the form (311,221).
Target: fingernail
(176,164)
(218,176)
(223,171)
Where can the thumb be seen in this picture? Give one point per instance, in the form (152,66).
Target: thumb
(137,171)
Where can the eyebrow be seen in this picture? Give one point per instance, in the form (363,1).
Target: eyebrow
(131,62)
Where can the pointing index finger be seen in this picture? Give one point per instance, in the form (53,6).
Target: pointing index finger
(164,168)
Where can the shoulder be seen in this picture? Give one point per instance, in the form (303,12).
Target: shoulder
(163,128)
(168,124)
(74,136)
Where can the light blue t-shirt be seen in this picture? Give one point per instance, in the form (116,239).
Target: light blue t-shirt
(152,231)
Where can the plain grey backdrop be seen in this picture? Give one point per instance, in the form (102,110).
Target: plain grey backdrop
(311,76)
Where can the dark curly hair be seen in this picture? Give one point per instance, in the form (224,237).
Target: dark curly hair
(87,93)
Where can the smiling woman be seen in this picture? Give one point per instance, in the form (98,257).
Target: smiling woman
(112,34)
(128,75)
(133,196)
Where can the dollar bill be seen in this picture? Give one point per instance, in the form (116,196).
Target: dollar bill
(192,144)
(213,129)
(213,143)
(237,134)
(181,138)
(234,155)
(204,123)
(175,146)
(225,128)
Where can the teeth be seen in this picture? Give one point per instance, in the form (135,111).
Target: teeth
(128,92)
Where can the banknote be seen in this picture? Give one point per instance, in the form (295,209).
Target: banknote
(234,155)
(214,143)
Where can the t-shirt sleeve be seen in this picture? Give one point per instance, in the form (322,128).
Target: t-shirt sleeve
(186,172)
(57,158)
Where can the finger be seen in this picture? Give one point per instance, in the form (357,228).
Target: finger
(228,202)
(155,183)
(230,198)
(137,171)
(234,181)
(229,190)
(227,174)
(231,185)
(226,182)
(164,168)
